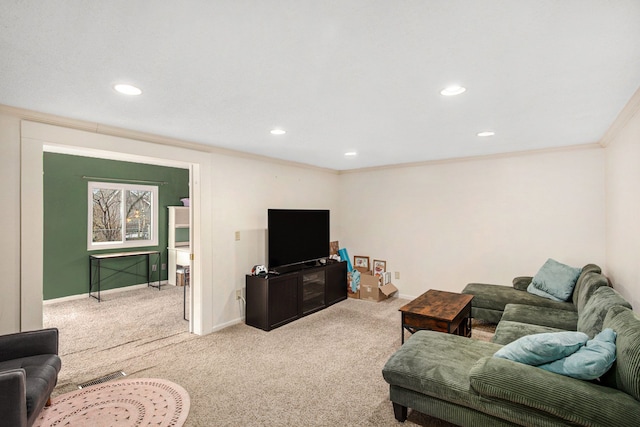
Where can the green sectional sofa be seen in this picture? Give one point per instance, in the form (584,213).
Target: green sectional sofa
(459,380)
(489,301)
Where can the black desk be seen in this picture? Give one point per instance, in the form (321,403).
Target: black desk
(95,262)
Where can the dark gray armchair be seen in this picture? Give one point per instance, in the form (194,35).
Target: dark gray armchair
(29,366)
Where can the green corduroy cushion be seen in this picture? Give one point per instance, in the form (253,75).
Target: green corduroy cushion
(589,268)
(521,282)
(542,316)
(436,364)
(625,372)
(591,317)
(508,331)
(496,297)
(578,402)
(590,283)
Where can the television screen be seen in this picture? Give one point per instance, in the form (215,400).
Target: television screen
(297,236)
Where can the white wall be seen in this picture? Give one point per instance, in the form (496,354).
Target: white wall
(445,224)
(242,191)
(623,204)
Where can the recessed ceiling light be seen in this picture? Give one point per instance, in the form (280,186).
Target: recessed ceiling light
(350,153)
(486,133)
(127,89)
(452,90)
(278,132)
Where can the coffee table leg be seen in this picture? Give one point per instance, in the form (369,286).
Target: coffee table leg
(402,329)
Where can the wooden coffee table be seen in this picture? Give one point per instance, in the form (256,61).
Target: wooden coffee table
(438,311)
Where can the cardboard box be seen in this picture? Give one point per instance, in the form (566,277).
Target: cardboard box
(182,276)
(372,289)
(368,279)
(179,278)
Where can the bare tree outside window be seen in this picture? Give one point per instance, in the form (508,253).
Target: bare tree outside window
(138,215)
(107,222)
(122,215)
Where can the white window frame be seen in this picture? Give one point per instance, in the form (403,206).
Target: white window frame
(123,243)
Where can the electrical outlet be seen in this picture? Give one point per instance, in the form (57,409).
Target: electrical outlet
(238,293)
(164,266)
(397,275)
(154,267)
(237,235)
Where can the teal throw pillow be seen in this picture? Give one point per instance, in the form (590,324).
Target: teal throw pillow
(589,362)
(538,349)
(535,291)
(554,280)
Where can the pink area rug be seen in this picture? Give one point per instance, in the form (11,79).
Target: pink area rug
(126,402)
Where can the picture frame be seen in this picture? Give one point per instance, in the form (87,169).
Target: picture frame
(379,267)
(361,262)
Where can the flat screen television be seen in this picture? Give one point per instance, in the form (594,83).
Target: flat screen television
(296,236)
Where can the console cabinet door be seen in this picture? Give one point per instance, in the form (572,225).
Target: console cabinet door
(283,299)
(336,289)
(313,290)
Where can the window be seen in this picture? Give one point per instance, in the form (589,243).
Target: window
(122,215)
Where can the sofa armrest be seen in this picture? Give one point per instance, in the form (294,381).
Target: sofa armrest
(576,401)
(13,398)
(25,344)
(522,282)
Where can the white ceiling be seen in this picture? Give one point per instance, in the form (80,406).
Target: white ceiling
(338,75)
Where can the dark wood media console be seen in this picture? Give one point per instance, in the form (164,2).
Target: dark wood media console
(275,300)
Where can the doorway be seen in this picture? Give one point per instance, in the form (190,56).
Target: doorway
(36,139)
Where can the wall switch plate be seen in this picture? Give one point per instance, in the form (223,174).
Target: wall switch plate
(237,235)
(397,275)
(164,266)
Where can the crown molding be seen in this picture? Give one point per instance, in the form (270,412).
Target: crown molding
(591,146)
(99,128)
(630,109)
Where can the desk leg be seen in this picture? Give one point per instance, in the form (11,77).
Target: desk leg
(158,268)
(99,279)
(148,270)
(92,279)
(90,276)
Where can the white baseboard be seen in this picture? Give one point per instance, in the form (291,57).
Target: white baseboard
(105,292)
(224,325)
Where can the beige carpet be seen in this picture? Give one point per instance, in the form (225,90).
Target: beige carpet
(322,370)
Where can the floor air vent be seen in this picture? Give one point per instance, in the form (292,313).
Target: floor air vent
(104,379)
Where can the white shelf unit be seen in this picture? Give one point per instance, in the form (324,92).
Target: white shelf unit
(179,252)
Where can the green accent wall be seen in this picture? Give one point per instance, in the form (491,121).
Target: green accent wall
(66,258)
